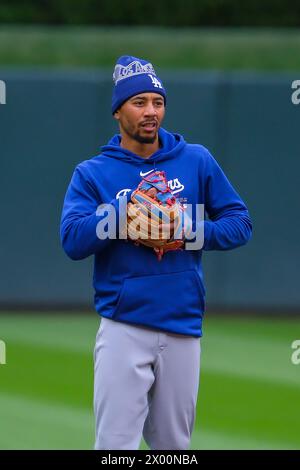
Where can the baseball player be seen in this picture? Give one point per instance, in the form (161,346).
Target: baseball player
(149,290)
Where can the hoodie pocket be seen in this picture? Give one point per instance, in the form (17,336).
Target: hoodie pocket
(171,302)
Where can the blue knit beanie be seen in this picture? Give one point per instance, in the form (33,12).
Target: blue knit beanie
(131,77)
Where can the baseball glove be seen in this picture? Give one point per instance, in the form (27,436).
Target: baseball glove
(155,218)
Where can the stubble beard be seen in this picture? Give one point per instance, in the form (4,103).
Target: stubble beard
(141,139)
(144,140)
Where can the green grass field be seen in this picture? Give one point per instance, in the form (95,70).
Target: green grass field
(213,49)
(248,397)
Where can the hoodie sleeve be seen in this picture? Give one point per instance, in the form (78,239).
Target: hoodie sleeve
(229,225)
(81,216)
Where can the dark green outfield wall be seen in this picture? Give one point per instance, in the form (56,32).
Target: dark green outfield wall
(53,120)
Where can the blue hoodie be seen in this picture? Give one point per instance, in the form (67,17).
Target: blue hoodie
(130,284)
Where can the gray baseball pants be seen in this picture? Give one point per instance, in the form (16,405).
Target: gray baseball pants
(145,384)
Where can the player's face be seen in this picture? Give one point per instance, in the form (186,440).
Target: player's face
(140,117)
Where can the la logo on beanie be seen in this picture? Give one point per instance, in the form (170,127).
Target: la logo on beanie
(133,76)
(155,81)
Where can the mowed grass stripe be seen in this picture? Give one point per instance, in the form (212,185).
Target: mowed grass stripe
(58,326)
(55,376)
(33,424)
(251,347)
(267,327)
(258,348)
(249,408)
(207,439)
(58,331)
(234,400)
(250,356)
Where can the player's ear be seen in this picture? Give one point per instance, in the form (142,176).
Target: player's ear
(117,115)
